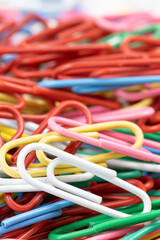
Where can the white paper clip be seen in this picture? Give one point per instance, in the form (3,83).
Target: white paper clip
(74,194)
(8,185)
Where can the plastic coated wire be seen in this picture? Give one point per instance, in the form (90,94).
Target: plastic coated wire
(102,222)
(35,213)
(30,221)
(140,233)
(95,85)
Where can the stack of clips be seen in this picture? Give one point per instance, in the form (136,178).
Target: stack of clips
(80,127)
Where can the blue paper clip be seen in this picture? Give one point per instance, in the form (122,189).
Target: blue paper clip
(91,85)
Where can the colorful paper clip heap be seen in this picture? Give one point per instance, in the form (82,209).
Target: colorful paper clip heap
(80,128)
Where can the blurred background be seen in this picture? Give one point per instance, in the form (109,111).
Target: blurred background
(91,7)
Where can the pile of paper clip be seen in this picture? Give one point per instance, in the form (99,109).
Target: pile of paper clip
(80,128)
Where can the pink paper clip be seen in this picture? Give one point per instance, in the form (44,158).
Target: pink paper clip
(137,96)
(104,141)
(77,113)
(117,233)
(129,22)
(103,115)
(9,14)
